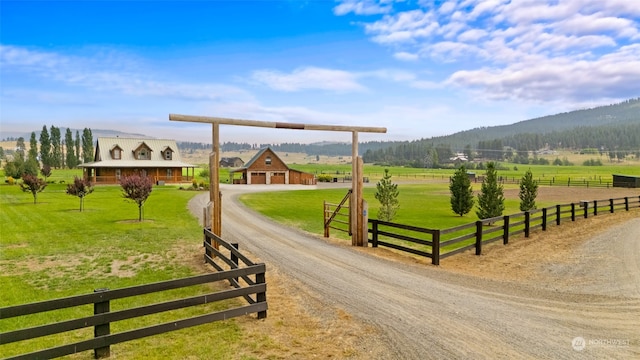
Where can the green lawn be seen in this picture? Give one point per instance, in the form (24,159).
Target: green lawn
(51,250)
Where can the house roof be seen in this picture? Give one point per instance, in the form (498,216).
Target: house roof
(255,157)
(104,145)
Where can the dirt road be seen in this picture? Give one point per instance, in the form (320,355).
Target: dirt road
(424,311)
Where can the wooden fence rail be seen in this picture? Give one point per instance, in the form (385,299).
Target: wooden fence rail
(102,316)
(441,243)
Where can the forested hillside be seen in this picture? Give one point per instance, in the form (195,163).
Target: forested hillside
(613,129)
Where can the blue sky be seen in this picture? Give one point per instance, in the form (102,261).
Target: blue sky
(418,68)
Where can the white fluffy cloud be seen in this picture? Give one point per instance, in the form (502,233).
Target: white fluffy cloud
(535,50)
(106,71)
(309,78)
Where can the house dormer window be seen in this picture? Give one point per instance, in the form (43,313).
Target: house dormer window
(116,153)
(168,154)
(142,152)
(267,161)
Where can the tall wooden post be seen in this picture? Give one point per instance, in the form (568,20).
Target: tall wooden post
(353,203)
(356,206)
(214,186)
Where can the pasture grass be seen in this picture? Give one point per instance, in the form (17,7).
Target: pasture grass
(50,250)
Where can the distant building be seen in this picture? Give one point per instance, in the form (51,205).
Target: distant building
(233,162)
(116,157)
(459,158)
(267,168)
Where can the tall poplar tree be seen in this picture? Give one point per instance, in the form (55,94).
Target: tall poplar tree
(45,146)
(56,147)
(77,145)
(33,148)
(72,159)
(87,145)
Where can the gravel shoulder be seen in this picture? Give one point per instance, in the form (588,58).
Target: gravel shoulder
(508,303)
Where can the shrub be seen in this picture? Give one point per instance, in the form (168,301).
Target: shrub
(11,180)
(324,178)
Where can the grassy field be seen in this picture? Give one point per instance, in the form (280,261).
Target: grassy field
(51,250)
(424,205)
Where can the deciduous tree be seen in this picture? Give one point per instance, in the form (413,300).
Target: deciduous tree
(33,184)
(80,188)
(461,192)
(387,194)
(45,171)
(137,188)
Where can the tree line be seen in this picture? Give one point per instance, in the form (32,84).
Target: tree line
(614,141)
(50,151)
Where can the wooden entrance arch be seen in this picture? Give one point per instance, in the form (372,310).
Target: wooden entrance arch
(356,208)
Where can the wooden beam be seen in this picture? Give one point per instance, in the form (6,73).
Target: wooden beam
(273,124)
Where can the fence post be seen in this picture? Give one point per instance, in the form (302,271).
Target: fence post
(527,225)
(586,209)
(611,205)
(558,214)
(505,233)
(101,329)
(595,207)
(262,296)
(626,203)
(435,248)
(478,237)
(573,212)
(544,219)
(374,233)
(324,219)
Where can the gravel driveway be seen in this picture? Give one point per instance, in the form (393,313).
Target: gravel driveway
(428,312)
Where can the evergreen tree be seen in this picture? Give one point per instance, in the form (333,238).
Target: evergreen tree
(45,146)
(461,192)
(87,145)
(56,147)
(1,153)
(387,194)
(491,197)
(528,192)
(71,159)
